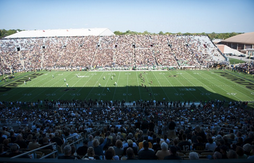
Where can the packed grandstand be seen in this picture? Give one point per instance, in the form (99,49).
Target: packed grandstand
(210,130)
(19,53)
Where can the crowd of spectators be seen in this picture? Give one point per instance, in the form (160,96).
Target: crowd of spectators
(245,67)
(183,130)
(107,51)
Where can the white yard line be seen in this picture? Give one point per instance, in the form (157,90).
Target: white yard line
(186,86)
(138,86)
(161,87)
(35,88)
(85,82)
(24,88)
(116,86)
(51,87)
(234,88)
(93,85)
(197,87)
(71,86)
(173,86)
(105,86)
(218,87)
(149,85)
(127,87)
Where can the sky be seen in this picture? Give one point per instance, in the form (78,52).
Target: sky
(194,16)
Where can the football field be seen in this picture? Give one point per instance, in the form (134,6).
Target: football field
(174,85)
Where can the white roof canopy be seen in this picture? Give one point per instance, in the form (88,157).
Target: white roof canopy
(62,33)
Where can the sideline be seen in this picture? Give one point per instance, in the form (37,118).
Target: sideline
(240,76)
(20,77)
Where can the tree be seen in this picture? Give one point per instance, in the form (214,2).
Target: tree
(187,33)
(146,33)
(161,33)
(118,33)
(4,33)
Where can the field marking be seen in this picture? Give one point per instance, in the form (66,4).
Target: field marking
(232,94)
(189,82)
(172,87)
(116,86)
(219,87)
(18,77)
(75,94)
(161,87)
(25,88)
(51,87)
(106,85)
(50,94)
(129,94)
(207,94)
(193,85)
(150,88)
(138,85)
(127,86)
(27,94)
(204,85)
(179,94)
(234,88)
(93,86)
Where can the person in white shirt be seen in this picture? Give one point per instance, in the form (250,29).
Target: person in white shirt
(211,145)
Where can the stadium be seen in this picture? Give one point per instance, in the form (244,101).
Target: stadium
(73,93)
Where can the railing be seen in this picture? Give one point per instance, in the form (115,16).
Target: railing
(37,149)
(54,149)
(51,153)
(7,160)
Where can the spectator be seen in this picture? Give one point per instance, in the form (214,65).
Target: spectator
(240,153)
(171,127)
(210,146)
(34,144)
(217,155)
(172,154)
(130,154)
(199,145)
(98,148)
(193,156)
(59,141)
(91,155)
(15,150)
(20,141)
(111,154)
(231,154)
(146,153)
(184,145)
(223,151)
(81,151)
(90,142)
(118,148)
(3,153)
(130,144)
(161,154)
(67,153)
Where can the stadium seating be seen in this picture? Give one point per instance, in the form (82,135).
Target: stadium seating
(108,52)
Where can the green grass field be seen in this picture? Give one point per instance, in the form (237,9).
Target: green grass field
(172,85)
(235,61)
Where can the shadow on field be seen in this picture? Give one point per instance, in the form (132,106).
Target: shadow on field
(130,93)
(11,92)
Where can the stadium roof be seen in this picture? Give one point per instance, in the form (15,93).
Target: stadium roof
(62,33)
(245,38)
